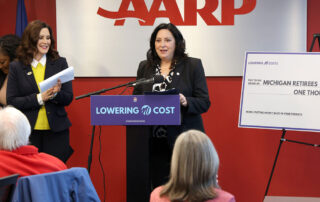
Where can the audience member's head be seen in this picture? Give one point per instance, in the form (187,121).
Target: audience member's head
(8,46)
(14,129)
(194,168)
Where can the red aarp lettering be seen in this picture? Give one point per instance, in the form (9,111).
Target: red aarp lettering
(172,12)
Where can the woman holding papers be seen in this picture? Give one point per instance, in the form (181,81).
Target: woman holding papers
(37,61)
(167,57)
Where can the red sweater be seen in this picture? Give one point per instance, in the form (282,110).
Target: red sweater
(26,160)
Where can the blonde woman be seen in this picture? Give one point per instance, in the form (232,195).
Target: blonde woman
(193,174)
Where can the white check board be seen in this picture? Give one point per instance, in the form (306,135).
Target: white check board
(281,91)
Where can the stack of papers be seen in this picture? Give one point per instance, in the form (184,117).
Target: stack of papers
(64,76)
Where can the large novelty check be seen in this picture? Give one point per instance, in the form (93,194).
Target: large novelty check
(281,91)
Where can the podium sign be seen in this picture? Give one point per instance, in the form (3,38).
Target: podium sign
(135,110)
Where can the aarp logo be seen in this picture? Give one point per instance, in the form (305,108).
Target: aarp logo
(146,110)
(171,11)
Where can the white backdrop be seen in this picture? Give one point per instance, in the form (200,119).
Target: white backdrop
(96,47)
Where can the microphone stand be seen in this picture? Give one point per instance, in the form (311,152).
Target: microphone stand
(93,127)
(104,90)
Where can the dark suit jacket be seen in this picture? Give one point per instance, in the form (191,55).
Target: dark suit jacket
(22,93)
(189,79)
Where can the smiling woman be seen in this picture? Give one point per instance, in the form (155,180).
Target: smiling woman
(4,63)
(43,43)
(166,56)
(8,46)
(37,61)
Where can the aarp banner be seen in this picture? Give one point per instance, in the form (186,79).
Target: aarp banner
(110,37)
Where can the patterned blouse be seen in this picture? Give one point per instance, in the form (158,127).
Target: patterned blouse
(166,84)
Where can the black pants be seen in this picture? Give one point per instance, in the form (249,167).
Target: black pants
(54,143)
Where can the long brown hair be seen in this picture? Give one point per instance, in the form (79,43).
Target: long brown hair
(29,41)
(194,167)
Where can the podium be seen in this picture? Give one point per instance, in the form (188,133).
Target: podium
(138,175)
(139,113)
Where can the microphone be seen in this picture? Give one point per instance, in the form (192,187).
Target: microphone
(155,79)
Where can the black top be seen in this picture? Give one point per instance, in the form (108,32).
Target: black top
(2,78)
(189,79)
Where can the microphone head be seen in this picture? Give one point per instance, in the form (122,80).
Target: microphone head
(158,79)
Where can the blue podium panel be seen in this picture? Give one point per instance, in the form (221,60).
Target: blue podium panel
(135,110)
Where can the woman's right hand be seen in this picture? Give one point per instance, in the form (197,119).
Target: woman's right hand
(52,92)
(47,95)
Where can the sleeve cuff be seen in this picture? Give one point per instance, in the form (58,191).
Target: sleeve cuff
(40,101)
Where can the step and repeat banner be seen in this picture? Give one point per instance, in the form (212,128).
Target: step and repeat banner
(281,91)
(109,38)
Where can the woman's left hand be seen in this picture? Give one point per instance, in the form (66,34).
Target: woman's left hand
(183,100)
(57,87)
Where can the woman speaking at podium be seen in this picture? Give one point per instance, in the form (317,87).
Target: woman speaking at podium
(37,61)
(166,56)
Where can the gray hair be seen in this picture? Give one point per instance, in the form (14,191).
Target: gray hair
(14,129)
(194,168)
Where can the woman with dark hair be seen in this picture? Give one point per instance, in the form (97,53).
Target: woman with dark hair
(167,57)
(194,171)
(8,46)
(37,61)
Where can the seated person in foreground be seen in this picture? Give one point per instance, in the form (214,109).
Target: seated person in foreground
(17,157)
(193,174)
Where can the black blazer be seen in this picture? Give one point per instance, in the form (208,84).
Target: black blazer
(189,79)
(22,93)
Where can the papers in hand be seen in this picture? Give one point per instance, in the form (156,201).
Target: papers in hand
(64,76)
